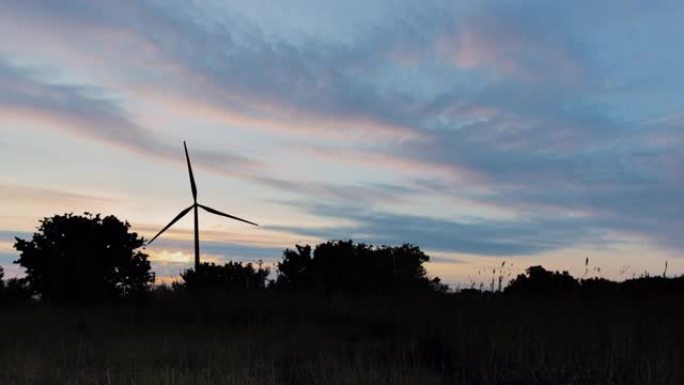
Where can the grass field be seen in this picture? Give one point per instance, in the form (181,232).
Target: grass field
(276,338)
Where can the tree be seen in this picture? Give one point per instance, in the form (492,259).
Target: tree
(74,258)
(294,271)
(231,277)
(343,266)
(2,283)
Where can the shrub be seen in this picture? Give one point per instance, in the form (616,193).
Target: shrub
(541,282)
(231,277)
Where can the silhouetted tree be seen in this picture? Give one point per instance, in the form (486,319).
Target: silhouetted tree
(405,266)
(294,271)
(343,266)
(74,258)
(539,281)
(231,277)
(2,275)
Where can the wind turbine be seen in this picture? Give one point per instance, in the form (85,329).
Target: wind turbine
(195,207)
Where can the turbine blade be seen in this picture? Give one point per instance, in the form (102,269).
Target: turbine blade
(214,211)
(192,177)
(179,216)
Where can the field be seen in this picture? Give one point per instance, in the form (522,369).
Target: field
(278,338)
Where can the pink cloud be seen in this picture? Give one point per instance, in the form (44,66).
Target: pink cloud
(140,66)
(397,163)
(270,117)
(34,195)
(508,51)
(120,131)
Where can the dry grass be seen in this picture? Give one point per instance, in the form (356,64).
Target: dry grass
(276,339)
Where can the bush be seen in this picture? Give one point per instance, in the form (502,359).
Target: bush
(541,282)
(17,290)
(14,289)
(231,277)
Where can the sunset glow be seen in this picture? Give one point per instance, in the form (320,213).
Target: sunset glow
(482,132)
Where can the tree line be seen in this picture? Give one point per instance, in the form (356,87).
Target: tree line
(89,258)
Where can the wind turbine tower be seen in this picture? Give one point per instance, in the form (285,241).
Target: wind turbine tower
(195,208)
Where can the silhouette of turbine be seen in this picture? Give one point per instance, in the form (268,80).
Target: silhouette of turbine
(195,206)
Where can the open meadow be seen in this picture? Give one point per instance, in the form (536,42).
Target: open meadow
(273,338)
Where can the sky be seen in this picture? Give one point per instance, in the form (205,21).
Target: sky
(525,132)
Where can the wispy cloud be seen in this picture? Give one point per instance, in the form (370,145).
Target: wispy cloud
(468,235)
(565,115)
(33,194)
(90,112)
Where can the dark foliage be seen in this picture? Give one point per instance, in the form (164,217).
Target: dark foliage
(75,258)
(14,290)
(541,282)
(593,287)
(649,286)
(295,270)
(231,277)
(17,290)
(346,267)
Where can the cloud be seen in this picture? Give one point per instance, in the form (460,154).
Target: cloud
(540,147)
(225,65)
(87,111)
(549,110)
(475,236)
(513,40)
(383,158)
(362,193)
(79,107)
(34,195)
